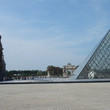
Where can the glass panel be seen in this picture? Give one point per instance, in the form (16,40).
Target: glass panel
(99,63)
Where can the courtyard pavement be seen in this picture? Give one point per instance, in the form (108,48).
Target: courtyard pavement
(71,96)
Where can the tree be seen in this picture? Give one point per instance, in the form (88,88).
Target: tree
(55,71)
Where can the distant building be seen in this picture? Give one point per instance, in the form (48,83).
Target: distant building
(92,75)
(3,75)
(68,70)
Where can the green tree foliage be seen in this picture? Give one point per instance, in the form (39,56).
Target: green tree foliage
(55,71)
(26,73)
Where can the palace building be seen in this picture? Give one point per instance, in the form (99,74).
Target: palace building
(3,75)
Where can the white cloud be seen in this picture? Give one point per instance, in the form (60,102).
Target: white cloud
(38,53)
(24,54)
(29,46)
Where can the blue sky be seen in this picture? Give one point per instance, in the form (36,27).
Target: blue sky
(38,33)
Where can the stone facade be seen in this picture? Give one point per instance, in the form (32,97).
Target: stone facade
(68,70)
(2,63)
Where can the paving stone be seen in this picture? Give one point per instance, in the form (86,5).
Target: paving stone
(73,96)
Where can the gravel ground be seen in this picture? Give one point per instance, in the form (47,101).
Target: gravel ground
(74,96)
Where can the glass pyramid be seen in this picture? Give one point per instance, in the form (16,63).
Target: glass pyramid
(97,64)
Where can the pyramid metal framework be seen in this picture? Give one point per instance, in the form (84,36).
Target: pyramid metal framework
(97,64)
